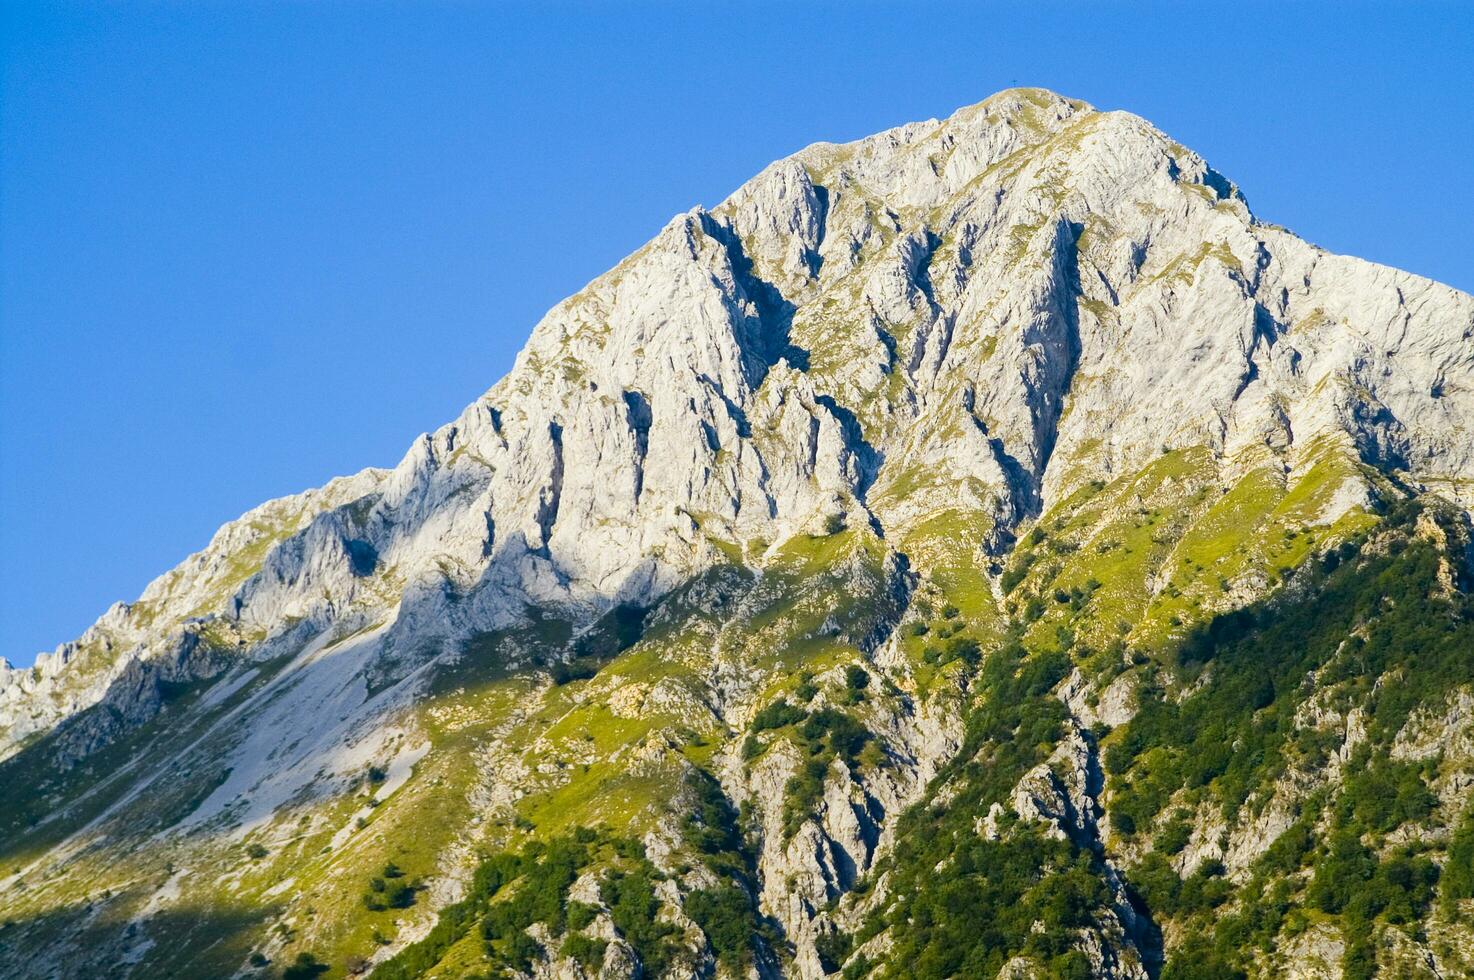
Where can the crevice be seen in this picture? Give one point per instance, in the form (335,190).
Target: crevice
(1019,479)
(363,558)
(1067,287)
(946,327)
(767,342)
(709,434)
(1058,328)
(868,459)
(1219,184)
(815,259)
(734,411)
(637,415)
(489,542)
(1136,919)
(900,586)
(888,341)
(763,476)
(1266,329)
(921,267)
(552,494)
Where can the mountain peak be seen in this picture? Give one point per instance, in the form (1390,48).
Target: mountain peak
(1021,407)
(1009,102)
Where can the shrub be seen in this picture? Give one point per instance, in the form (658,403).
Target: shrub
(1174,835)
(833,949)
(1072,965)
(581,915)
(586,951)
(1013,576)
(578,669)
(1384,794)
(522,949)
(540,876)
(304,967)
(633,906)
(1342,873)
(966,650)
(777,715)
(399,894)
(1196,960)
(724,914)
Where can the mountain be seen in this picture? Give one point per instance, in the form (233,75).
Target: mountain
(984,549)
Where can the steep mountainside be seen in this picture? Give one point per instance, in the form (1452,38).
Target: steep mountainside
(984,549)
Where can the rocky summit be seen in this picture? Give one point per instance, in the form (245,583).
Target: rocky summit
(985,549)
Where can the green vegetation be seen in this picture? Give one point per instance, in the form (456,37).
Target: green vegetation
(587,951)
(1458,871)
(1379,624)
(1372,624)
(982,907)
(304,967)
(388,890)
(964,905)
(630,896)
(779,714)
(823,736)
(726,912)
(1236,731)
(1366,614)
(511,891)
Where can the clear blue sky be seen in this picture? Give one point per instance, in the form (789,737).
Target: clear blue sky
(246,248)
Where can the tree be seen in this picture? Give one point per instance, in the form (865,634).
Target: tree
(304,967)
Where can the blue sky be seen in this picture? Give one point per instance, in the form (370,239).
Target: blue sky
(245,248)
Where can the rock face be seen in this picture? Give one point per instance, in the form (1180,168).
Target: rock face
(1033,371)
(920,301)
